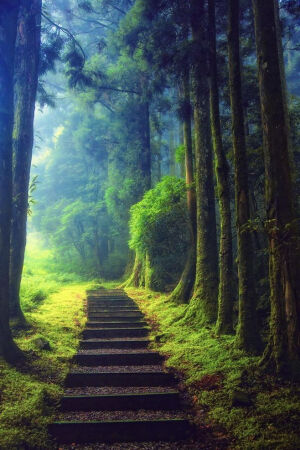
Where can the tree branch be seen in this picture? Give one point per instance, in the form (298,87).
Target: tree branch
(68,33)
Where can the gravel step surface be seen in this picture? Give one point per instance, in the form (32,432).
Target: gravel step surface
(91,390)
(141,414)
(118,369)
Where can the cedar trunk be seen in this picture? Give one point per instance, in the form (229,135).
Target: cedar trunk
(203,306)
(25,85)
(283,350)
(8,29)
(183,290)
(247,333)
(226,285)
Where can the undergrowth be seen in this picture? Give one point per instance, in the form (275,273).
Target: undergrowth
(214,372)
(30,394)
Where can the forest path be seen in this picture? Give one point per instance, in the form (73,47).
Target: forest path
(119,391)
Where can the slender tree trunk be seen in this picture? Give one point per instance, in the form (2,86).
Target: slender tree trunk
(285,94)
(247,332)
(181,140)
(226,291)
(8,29)
(203,306)
(172,151)
(283,350)
(183,291)
(145,158)
(25,84)
(137,278)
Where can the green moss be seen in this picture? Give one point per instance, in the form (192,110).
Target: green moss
(213,369)
(29,395)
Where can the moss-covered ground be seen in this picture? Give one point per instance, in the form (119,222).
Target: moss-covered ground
(29,394)
(215,373)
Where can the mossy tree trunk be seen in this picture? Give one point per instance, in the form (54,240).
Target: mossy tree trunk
(8,29)
(283,351)
(203,305)
(153,276)
(137,278)
(183,291)
(247,332)
(25,85)
(226,285)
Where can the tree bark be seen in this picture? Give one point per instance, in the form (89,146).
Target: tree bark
(283,351)
(172,163)
(247,332)
(183,291)
(25,85)
(145,157)
(137,278)
(203,305)
(226,291)
(8,29)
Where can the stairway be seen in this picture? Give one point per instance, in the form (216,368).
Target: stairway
(118,390)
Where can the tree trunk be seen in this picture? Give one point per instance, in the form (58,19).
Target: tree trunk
(203,306)
(181,140)
(137,276)
(226,296)
(145,157)
(8,29)
(247,337)
(283,350)
(183,291)
(25,84)
(172,150)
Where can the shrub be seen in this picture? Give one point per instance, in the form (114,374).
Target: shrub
(159,230)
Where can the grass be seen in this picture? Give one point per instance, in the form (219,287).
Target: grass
(214,371)
(29,395)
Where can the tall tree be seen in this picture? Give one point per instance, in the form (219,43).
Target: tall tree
(25,85)
(8,28)
(225,297)
(203,305)
(183,290)
(247,333)
(283,350)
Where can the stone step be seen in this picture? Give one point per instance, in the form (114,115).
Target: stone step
(116,319)
(90,333)
(102,303)
(119,318)
(157,378)
(113,295)
(118,402)
(108,343)
(113,309)
(106,313)
(118,359)
(120,431)
(116,324)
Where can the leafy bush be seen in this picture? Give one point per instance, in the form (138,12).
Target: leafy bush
(159,229)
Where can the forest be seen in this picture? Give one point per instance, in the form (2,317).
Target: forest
(150,149)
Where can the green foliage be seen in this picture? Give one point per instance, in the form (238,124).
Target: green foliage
(180,154)
(159,217)
(156,222)
(29,398)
